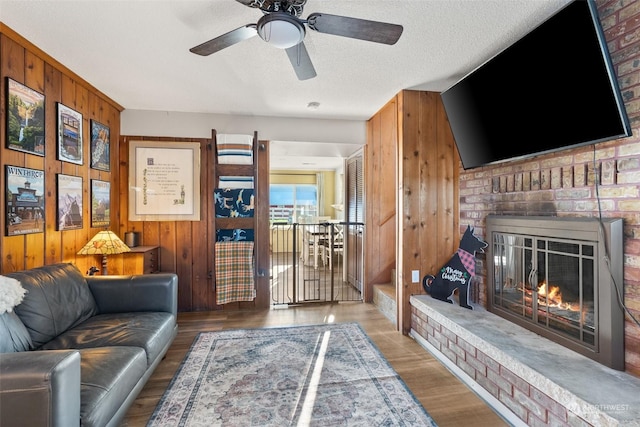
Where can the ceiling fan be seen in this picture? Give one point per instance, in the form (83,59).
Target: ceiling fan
(282,27)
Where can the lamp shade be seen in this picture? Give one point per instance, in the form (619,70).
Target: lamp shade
(280,30)
(104,243)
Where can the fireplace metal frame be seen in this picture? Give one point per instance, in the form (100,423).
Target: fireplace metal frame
(607,237)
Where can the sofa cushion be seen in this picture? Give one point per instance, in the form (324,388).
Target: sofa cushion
(57,299)
(107,376)
(13,334)
(150,331)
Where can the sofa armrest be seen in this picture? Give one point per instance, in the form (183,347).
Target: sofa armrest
(144,292)
(40,388)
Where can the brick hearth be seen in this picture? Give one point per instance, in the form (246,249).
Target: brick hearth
(526,378)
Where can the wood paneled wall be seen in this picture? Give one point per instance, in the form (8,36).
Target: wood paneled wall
(187,247)
(380,159)
(411,182)
(429,230)
(27,64)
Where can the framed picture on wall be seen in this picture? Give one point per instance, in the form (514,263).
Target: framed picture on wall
(164,181)
(25,118)
(100,201)
(99,146)
(69,135)
(69,202)
(24,207)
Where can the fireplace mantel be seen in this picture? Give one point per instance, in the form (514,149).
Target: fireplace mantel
(513,369)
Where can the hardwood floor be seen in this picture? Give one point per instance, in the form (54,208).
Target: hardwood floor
(448,401)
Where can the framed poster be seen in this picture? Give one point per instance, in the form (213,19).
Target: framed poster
(25,118)
(100,201)
(164,181)
(69,202)
(24,200)
(100,145)
(69,135)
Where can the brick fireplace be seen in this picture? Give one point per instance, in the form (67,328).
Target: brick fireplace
(549,348)
(526,378)
(532,379)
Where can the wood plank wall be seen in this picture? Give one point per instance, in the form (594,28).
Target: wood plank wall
(429,232)
(183,245)
(187,247)
(380,158)
(27,64)
(410,145)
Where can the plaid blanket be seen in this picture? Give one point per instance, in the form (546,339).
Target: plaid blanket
(234,272)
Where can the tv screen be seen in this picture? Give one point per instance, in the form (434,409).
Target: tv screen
(553,89)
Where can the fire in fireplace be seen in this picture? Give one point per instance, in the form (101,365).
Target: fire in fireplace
(560,278)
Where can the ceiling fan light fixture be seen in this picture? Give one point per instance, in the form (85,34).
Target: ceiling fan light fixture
(281,30)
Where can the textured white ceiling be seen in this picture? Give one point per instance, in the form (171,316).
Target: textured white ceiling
(137,51)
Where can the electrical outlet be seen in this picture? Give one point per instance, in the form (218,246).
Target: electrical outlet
(415,276)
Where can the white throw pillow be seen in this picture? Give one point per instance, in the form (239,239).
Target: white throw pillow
(11,294)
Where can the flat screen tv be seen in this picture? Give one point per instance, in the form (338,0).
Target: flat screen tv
(553,89)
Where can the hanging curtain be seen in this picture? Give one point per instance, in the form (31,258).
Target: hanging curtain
(320,186)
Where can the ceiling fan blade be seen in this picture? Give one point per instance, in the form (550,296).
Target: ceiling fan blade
(355,28)
(301,61)
(225,40)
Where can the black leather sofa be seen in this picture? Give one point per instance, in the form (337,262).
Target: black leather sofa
(77,350)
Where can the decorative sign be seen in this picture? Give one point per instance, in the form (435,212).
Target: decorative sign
(100,203)
(164,181)
(100,146)
(69,135)
(69,202)
(25,200)
(457,273)
(25,119)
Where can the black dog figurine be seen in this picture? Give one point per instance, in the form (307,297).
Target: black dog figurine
(457,272)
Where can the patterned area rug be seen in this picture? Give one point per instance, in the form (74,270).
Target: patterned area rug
(319,375)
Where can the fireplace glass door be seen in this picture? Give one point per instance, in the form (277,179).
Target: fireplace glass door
(561,278)
(548,282)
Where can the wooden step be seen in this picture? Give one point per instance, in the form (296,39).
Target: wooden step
(384,297)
